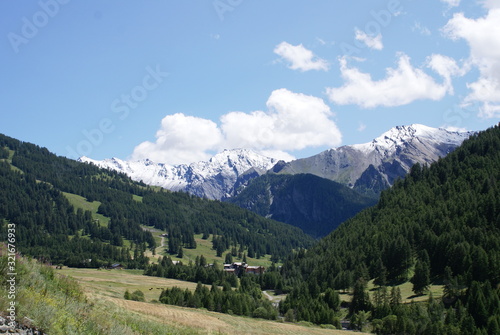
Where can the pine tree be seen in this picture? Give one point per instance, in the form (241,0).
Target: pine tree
(421,278)
(229,258)
(360,297)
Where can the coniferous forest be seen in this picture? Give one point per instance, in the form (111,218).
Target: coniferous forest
(440,224)
(50,228)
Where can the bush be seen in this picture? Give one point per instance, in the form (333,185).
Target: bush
(260,312)
(290,315)
(137,295)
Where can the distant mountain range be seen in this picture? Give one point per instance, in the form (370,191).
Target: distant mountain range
(215,179)
(368,168)
(372,167)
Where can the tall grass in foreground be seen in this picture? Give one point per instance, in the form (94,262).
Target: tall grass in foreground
(56,304)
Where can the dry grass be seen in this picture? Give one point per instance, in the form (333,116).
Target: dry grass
(109,286)
(114,283)
(216,323)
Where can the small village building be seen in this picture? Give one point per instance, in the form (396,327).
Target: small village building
(256,270)
(239,267)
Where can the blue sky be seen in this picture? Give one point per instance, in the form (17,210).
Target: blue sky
(177,81)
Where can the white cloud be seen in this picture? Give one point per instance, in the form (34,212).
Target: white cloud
(452,3)
(483,37)
(446,67)
(372,42)
(293,121)
(491,4)
(300,58)
(401,86)
(180,139)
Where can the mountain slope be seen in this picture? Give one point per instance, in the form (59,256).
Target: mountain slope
(314,204)
(444,219)
(32,183)
(374,166)
(213,179)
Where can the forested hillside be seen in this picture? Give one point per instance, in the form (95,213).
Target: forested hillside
(441,223)
(314,204)
(49,227)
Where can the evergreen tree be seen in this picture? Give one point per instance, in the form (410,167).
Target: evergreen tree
(360,298)
(421,278)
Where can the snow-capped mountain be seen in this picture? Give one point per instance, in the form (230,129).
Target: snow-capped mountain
(216,178)
(374,166)
(368,168)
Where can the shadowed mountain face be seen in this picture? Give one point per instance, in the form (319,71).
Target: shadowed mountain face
(314,204)
(372,167)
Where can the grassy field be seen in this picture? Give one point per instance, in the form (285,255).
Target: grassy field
(108,287)
(113,283)
(9,160)
(407,294)
(80,202)
(203,247)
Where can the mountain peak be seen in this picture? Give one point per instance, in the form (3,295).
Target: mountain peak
(213,178)
(399,135)
(219,176)
(391,156)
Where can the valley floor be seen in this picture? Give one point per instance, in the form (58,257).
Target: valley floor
(109,286)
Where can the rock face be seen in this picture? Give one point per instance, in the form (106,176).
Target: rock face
(374,166)
(214,179)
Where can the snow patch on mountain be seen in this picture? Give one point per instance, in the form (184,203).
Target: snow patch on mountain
(396,137)
(377,164)
(369,166)
(214,179)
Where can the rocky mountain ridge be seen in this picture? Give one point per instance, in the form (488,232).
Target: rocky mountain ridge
(368,168)
(374,166)
(216,178)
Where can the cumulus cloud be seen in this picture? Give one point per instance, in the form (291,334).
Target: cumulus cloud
(491,4)
(446,67)
(372,42)
(482,35)
(402,85)
(292,121)
(181,139)
(300,58)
